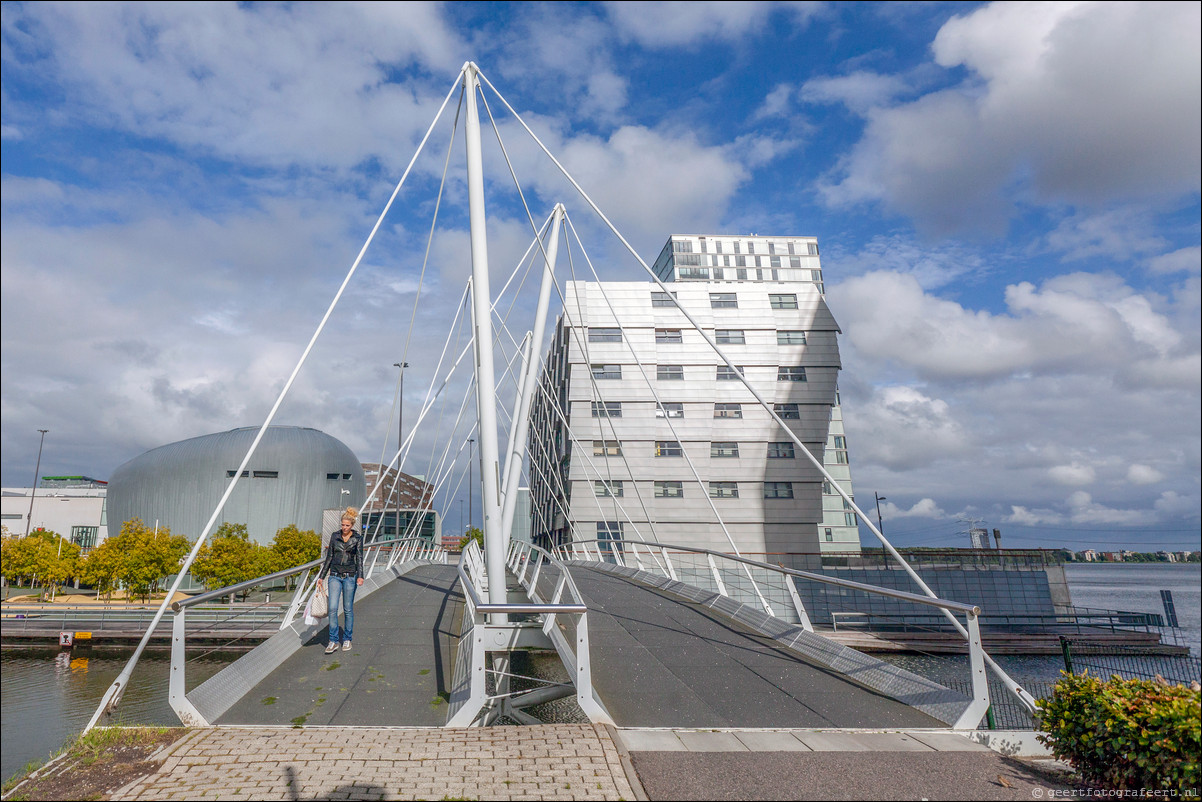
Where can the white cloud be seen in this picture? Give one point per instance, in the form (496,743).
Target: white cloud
(901,427)
(1085,102)
(1182,260)
(1139,474)
(1173,504)
(1075,323)
(1084,510)
(270,84)
(1119,234)
(923,508)
(859,91)
(1075,475)
(1024,517)
(675,23)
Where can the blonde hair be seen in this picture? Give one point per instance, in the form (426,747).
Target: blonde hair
(351,514)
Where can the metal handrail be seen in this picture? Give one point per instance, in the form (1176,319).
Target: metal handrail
(263,580)
(903,595)
(978,658)
(529,609)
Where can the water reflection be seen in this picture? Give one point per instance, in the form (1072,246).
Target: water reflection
(47,697)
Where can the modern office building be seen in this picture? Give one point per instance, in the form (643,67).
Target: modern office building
(643,432)
(294,476)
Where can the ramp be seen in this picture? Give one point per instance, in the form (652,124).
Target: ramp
(660,660)
(397,673)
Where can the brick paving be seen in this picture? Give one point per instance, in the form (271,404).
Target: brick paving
(553,761)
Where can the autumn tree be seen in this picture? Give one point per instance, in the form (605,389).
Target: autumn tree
(292,547)
(140,558)
(228,558)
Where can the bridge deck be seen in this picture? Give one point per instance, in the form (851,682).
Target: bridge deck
(398,673)
(660,661)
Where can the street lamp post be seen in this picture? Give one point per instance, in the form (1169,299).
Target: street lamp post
(471,449)
(879,525)
(33,491)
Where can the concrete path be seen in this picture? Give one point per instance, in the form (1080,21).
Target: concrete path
(397,673)
(808,764)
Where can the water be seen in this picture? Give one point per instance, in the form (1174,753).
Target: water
(1136,587)
(48,696)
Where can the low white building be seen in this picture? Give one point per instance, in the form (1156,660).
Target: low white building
(72,506)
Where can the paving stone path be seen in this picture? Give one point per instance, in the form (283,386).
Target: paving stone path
(555,761)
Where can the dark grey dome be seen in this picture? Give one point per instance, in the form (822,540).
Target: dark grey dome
(294,475)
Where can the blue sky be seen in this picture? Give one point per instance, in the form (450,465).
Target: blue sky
(1006,197)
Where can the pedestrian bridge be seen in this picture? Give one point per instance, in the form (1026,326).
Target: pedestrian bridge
(643,640)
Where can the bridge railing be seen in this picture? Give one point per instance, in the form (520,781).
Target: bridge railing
(773,588)
(304,588)
(560,614)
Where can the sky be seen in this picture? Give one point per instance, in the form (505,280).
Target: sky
(1006,197)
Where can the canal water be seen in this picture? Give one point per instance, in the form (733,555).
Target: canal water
(48,696)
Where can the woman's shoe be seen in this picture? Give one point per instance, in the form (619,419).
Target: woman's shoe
(346,646)
(333,647)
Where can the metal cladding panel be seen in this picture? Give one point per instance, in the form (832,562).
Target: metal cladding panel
(179,485)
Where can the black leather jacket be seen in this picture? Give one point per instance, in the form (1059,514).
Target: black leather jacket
(344,557)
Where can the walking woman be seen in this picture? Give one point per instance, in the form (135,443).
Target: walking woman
(344,568)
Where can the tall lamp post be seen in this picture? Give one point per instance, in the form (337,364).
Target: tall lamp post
(879,525)
(471,449)
(33,491)
(400,440)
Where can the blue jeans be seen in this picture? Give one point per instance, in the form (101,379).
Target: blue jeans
(342,587)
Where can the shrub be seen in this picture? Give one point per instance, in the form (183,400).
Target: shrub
(1125,734)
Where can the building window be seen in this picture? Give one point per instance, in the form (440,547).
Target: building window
(607,409)
(790,374)
(841,457)
(669,409)
(667,448)
(266,474)
(724,489)
(669,489)
(610,489)
(607,448)
(724,449)
(663,299)
(813,248)
(790,338)
(333,477)
(830,536)
(787,411)
(667,336)
(687,273)
(719,274)
(774,261)
(85,536)
(827,490)
(778,490)
(794,261)
(783,301)
(724,300)
(604,335)
(606,371)
(726,373)
(682,246)
(230,474)
(729,337)
(741,275)
(849,518)
(780,451)
(840,441)
(728,410)
(669,372)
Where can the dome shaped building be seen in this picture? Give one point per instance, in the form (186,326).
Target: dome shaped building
(294,475)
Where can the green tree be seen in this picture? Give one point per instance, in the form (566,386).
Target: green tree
(292,547)
(228,558)
(472,534)
(140,558)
